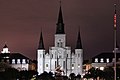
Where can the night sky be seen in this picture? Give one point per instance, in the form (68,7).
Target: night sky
(21,22)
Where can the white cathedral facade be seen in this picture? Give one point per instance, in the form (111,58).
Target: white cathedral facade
(60,55)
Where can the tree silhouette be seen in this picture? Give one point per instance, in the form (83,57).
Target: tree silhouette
(45,76)
(78,77)
(72,76)
(109,73)
(9,74)
(94,73)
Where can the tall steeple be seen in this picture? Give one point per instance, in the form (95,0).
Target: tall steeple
(79,44)
(60,24)
(41,43)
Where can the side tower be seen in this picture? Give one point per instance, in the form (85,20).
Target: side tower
(5,54)
(79,55)
(5,49)
(40,56)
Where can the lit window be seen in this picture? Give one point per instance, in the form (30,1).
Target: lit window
(101,60)
(23,61)
(78,65)
(6,57)
(101,68)
(107,60)
(13,61)
(18,61)
(96,59)
(96,67)
(72,66)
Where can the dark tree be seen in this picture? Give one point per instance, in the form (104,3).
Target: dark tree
(78,77)
(87,76)
(9,74)
(94,73)
(72,76)
(45,76)
(109,73)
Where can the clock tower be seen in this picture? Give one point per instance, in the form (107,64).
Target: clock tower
(60,37)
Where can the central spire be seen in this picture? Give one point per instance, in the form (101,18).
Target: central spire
(60,24)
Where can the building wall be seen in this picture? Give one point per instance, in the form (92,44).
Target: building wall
(40,59)
(69,63)
(101,66)
(20,66)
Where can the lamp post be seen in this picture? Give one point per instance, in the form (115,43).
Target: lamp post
(115,41)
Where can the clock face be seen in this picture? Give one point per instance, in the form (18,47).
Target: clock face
(59,50)
(59,40)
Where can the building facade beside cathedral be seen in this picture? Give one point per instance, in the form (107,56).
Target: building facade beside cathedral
(14,60)
(60,58)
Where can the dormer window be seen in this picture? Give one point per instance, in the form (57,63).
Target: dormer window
(96,60)
(101,60)
(13,61)
(107,60)
(18,61)
(23,61)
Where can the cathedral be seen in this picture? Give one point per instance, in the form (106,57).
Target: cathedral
(60,58)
